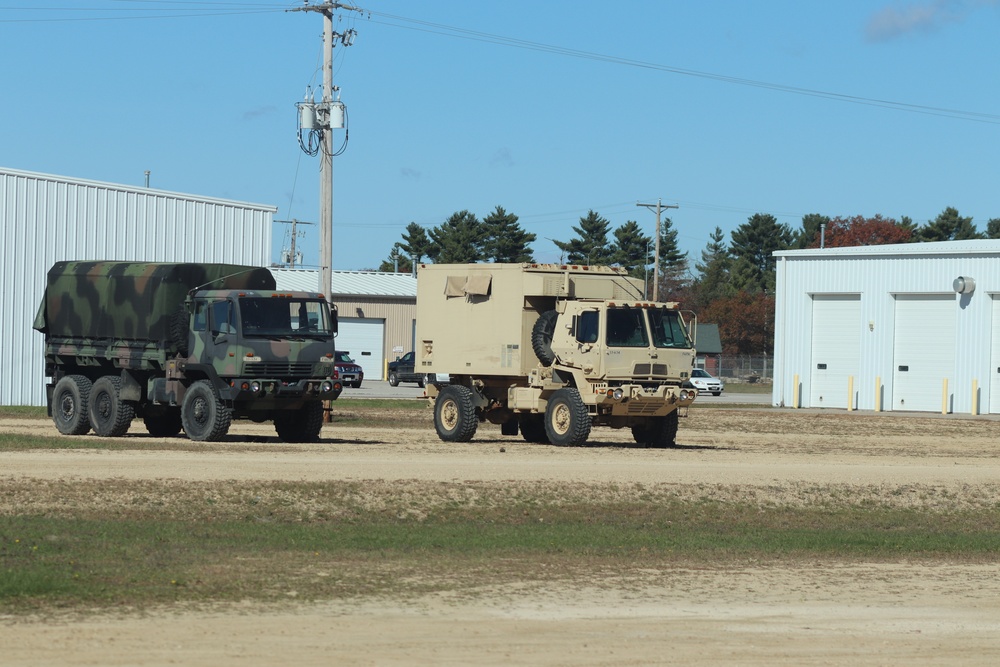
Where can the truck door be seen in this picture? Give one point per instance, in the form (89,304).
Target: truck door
(215,332)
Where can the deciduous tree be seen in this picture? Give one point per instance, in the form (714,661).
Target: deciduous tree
(861,231)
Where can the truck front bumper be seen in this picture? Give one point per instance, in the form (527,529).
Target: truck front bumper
(269,390)
(638,401)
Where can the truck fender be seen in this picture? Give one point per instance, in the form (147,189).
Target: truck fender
(130,390)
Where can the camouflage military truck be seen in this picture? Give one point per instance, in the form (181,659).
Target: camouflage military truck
(189,346)
(551,351)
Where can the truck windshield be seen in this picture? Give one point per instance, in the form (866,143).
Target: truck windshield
(668,329)
(626,328)
(283,317)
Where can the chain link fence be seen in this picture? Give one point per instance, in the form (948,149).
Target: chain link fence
(741,368)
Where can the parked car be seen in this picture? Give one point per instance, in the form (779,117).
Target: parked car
(350,372)
(703,381)
(402,370)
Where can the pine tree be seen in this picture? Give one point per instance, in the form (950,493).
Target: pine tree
(591,246)
(506,240)
(415,243)
(458,240)
(397,262)
(675,277)
(714,281)
(993,228)
(631,249)
(752,246)
(948,226)
(809,235)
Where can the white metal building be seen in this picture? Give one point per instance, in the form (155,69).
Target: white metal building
(911,327)
(45,218)
(377,313)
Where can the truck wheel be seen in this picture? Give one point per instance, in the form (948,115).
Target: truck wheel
(69,405)
(454,414)
(541,337)
(533,428)
(110,416)
(203,415)
(665,434)
(393,380)
(567,421)
(165,424)
(302,425)
(659,432)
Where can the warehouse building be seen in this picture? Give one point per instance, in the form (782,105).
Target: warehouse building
(377,313)
(912,327)
(45,218)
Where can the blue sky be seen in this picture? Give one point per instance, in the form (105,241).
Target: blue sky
(600,105)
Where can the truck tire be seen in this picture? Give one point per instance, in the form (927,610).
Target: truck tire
(165,424)
(302,425)
(541,337)
(454,414)
(567,421)
(393,379)
(665,431)
(533,428)
(110,416)
(69,405)
(658,432)
(179,324)
(204,416)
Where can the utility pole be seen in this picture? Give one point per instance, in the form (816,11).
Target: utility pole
(295,233)
(329,115)
(656,260)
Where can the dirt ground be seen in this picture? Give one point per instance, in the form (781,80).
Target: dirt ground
(816,613)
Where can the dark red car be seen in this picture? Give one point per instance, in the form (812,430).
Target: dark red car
(351,374)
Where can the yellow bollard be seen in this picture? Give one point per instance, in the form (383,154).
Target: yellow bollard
(944,397)
(975,397)
(850,393)
(795,391)
(878,394)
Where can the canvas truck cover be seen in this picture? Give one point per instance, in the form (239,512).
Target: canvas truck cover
(131,300)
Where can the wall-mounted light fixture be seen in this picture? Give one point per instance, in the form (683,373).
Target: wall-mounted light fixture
(964,285)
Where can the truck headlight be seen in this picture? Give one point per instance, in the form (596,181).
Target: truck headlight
(616,393)
(326,387)
(255,386)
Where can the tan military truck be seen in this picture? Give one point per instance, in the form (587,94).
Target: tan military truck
(550,351)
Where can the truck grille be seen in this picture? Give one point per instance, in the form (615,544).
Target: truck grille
(279,369)
(651,370)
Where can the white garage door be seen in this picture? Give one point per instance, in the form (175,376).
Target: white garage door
(363,338)
(995,359)
(923,351)
(836,350)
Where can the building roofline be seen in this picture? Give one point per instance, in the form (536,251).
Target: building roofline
(973,247)
(266,208)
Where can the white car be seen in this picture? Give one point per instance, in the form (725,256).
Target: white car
(704,382)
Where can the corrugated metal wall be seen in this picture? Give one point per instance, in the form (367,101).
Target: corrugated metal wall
(44,219)
(879,274)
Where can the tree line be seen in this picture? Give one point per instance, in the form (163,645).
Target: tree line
(731,284)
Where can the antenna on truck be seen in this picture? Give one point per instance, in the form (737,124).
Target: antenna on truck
(238,273)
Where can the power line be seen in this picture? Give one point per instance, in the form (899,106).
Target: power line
(392,20)
(462,33)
